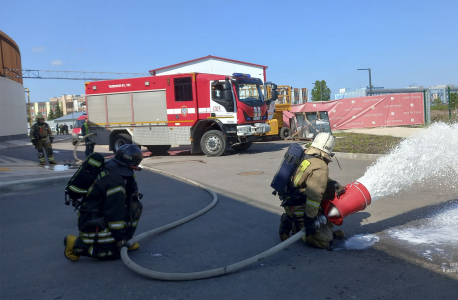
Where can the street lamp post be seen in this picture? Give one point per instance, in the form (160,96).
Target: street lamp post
(321,90)
(370,84)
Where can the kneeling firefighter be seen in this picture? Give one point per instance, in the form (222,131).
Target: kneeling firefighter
(109,212)
(309,186)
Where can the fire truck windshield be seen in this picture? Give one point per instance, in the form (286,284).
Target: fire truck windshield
(249,92)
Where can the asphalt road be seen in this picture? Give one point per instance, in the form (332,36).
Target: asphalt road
(244,223)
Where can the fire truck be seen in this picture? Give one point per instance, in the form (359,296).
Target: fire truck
(207,111)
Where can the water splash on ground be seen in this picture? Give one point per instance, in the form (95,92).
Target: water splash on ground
(360,242)
(432,152)
(436,237)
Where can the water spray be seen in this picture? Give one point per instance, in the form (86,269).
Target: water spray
(434,151)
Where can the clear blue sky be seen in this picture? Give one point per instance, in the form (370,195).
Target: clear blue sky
(403,42)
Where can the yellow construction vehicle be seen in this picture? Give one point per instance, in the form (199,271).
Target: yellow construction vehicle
(302,125)
(283,103)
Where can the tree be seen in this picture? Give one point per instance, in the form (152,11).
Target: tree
(58,113)
(321,92)
(51,115)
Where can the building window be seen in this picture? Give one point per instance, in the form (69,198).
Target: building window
(183,89)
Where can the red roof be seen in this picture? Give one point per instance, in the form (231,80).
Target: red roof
(153,72)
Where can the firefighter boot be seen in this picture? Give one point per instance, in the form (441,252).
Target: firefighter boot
(69,242)
(338,234)
(285,227)
(52,162)
(134,247)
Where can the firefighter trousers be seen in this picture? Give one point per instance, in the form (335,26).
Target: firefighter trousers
(42,145)
(102,244)
(322,236)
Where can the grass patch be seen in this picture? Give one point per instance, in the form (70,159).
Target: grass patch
(365,143)
(443,116)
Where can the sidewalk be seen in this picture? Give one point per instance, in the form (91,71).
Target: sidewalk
(403,132)
(27,143)
(17,174)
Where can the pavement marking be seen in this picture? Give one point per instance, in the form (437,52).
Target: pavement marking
(11,160)
(4,169)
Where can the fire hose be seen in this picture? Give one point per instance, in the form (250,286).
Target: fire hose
(78,143)
(203,274)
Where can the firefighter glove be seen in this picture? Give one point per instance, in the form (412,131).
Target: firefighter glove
(341,191)
(34,142)
(51,139)
(320,221)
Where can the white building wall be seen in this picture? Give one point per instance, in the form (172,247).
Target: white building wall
(13,110)
(214,66)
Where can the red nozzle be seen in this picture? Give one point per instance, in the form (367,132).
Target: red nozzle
(356,198)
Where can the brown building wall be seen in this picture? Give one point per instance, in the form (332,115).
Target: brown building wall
(10,56)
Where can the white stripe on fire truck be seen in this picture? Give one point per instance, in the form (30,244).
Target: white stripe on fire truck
(203,110)
(174,111)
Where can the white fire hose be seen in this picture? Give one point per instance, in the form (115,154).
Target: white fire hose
(193,275)
(78,143)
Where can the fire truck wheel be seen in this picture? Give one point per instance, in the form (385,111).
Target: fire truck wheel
(159,150)
(285,132)
(242,147)
(120,140)
(213,143)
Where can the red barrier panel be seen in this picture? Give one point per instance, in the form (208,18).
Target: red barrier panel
(373,111)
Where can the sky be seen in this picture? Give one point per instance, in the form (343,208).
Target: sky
(403,42)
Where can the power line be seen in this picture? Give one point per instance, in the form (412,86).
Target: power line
(71,75)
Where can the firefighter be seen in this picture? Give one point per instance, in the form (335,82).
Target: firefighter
(110,211)
(309,186)
(41,137)
(89,144)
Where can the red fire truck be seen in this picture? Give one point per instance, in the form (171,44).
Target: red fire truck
(207,111)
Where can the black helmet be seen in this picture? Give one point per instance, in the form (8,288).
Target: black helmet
(128,155)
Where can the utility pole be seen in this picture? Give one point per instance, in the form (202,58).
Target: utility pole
(370,83)
(28,97)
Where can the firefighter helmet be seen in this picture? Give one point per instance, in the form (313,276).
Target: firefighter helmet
(325,142)
(128,155)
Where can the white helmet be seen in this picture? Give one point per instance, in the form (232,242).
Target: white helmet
(325,142)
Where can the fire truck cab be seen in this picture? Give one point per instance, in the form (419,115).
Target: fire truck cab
(207,111)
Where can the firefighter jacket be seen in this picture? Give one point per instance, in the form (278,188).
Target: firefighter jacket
(40,131)
(106,198)
(310,179)
(85,130)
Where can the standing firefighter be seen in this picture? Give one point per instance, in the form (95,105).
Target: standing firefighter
(309,186)
(41,136)
(89,144)
(110,210)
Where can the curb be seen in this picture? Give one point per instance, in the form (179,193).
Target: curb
(361,156)
(32,183)
(31,145)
